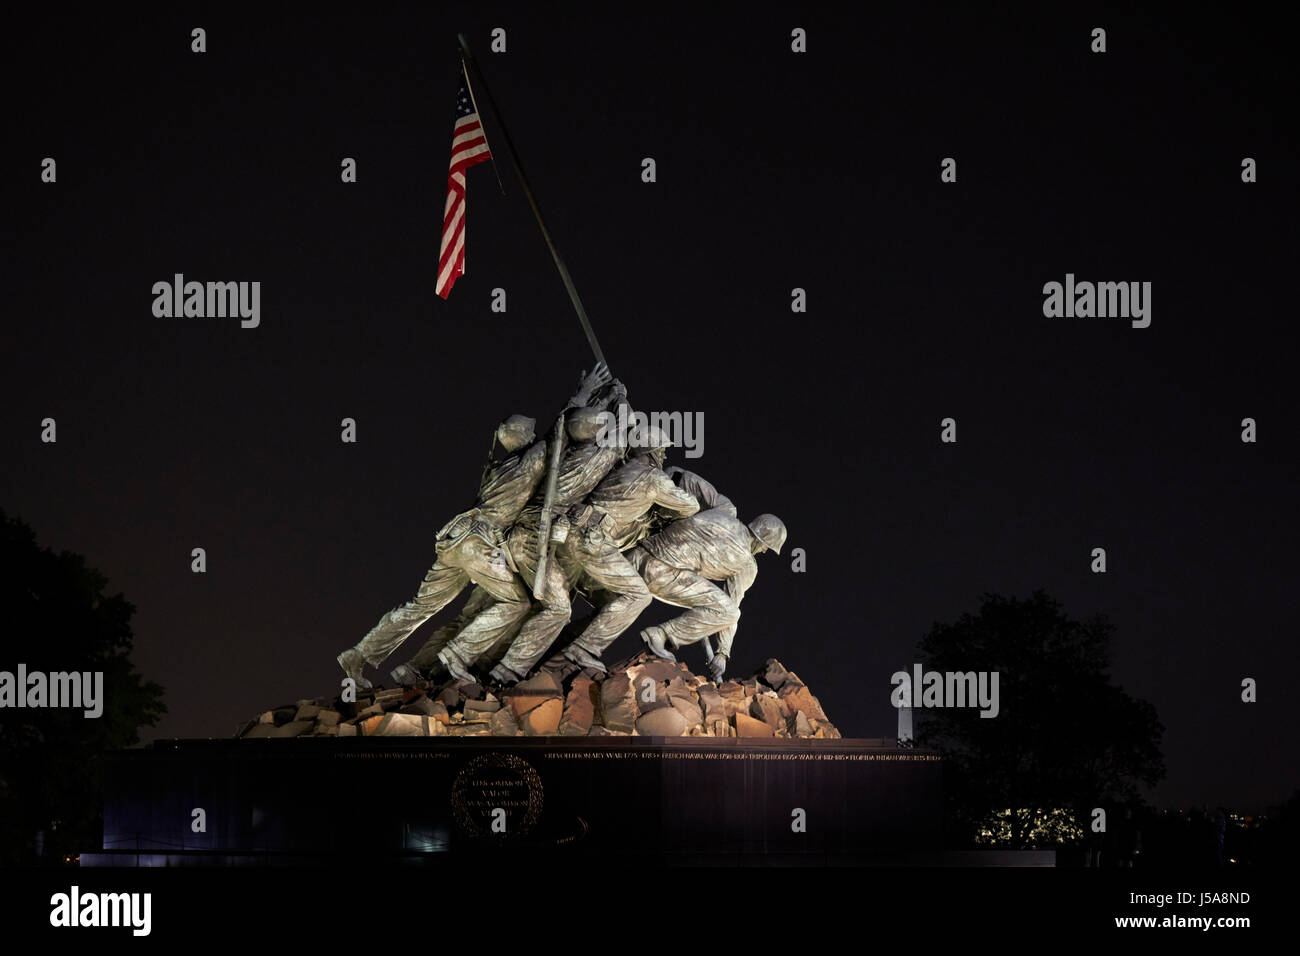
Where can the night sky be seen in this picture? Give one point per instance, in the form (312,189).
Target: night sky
(775,170)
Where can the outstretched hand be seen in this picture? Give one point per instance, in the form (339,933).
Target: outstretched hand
(597,378)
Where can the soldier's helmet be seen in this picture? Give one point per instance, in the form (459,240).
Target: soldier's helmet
(516,432)
(651,441)
(649,438)
(770,530)
(584,424)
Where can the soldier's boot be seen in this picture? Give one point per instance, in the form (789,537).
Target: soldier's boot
(453,664)
(583,658)
(406,675)
(353,663)
(504,675)
(656,638)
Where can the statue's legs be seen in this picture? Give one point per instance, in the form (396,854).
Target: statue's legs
(512,601)
(541,629)
(441,584)
(426,658)
(601,562)
(481,634)
(711,608)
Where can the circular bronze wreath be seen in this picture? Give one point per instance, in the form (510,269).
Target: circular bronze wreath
(525,774)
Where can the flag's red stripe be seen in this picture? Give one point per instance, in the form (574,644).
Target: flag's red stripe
(449,276)
(474,142)
(450,253)
(461,167)
(450,212)
(475,138)
(443,260)
(470,142)
(470,157)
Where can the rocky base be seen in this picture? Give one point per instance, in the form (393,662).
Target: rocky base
(643,696)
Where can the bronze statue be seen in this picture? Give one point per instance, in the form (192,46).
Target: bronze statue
(469,545)
(680,563)
(610,521)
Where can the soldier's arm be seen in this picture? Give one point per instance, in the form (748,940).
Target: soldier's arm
(703,491)
(614,396)
(672,498)
(585,468)
(604,407)
(736,586)
(616,413)
(536,451)
(591,383)
(533,464)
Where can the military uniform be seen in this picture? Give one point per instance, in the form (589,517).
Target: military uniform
(616,518)
(469,549)
(581,469)
(681,563)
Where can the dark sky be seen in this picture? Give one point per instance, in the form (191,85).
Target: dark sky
(775,170)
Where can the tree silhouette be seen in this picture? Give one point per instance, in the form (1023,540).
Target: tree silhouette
(1066,740)
(58,619)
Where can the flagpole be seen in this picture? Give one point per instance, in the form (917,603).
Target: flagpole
(469,61)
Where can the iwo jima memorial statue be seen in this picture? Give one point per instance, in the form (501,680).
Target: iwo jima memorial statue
(528,736)
(605,520)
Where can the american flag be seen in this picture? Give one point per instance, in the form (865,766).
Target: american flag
(468,146)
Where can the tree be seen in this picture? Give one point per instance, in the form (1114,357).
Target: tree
(58,619)
(1066,739)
